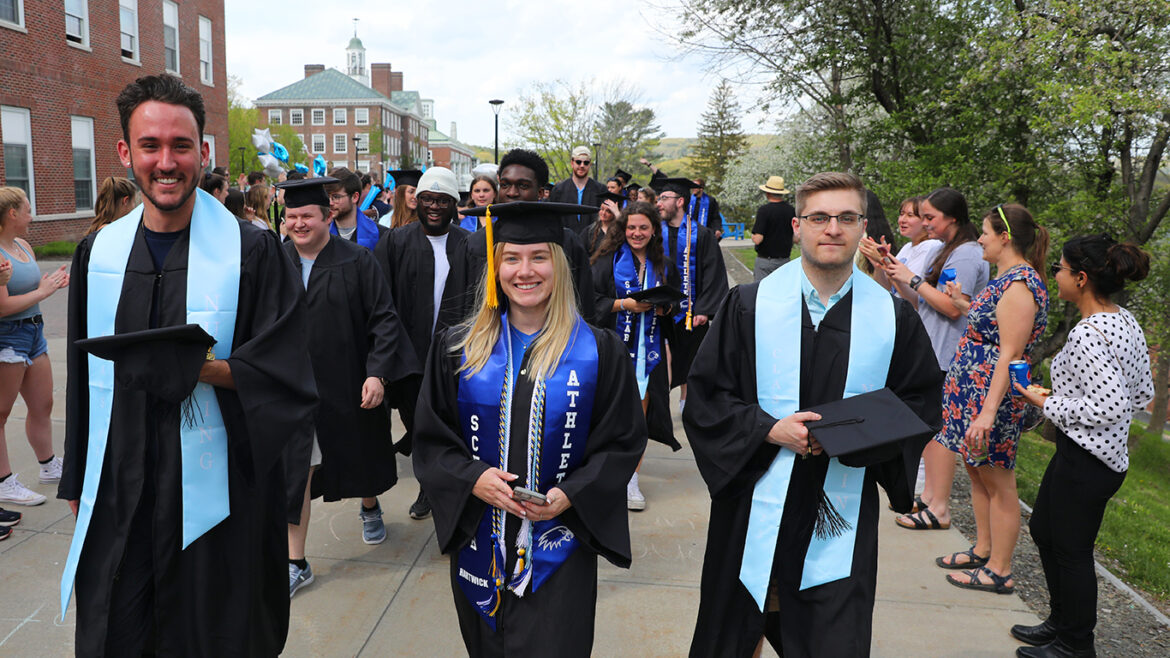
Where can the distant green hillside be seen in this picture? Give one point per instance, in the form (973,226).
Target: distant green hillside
(678,148)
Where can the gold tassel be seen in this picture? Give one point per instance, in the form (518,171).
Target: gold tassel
(490,293)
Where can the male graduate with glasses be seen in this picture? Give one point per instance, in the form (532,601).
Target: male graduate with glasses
(695,252)
(416,260)
(348,221)
(579,189)
(792,544)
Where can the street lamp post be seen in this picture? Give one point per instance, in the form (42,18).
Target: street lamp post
(496,103)
(596,159)
(242,149)
(356,138)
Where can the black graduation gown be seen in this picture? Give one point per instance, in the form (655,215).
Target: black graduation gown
(727,429)
(709,293)
(408,263)
(561,613)
(658,421)
(714,219)
(227,593)
(566,192)
(591,237)
(459,297)
(354,333)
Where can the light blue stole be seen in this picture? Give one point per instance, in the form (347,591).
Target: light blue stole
(778,348)
(212,297)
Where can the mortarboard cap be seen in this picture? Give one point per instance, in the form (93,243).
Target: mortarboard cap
(164,362)
(624,175)
(865,421)
(634,187)
(680,186)
(610,196)
(529,222)
(547,186)
(405,176)
(659,295)
(306,191)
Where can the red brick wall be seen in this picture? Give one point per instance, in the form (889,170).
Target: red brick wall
(349,129)
(42,72)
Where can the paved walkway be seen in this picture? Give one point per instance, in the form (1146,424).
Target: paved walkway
(395,599)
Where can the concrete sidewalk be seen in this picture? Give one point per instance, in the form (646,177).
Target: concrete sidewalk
(395,599)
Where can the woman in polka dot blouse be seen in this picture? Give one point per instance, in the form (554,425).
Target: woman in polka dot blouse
(1099,379)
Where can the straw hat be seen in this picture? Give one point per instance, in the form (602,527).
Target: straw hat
(775,185)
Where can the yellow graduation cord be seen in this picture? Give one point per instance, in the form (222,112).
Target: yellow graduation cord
(490,293)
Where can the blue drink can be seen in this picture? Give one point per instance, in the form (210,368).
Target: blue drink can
(944,276)
(1020,374)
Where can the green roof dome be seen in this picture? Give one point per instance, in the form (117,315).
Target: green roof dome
(355,43)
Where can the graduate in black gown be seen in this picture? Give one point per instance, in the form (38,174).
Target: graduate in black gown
(524,574)
(358,348)
(350,223)
(592,235)
(631,260)
(700,268)
(416,260)
(522,174)
(138,590)
(736,440)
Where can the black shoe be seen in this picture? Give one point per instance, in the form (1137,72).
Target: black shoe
(1037,635)
(421,508)
(8,518)
(1055,649)
(4,532)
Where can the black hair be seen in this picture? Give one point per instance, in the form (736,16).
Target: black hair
(235,203)
(212,182)
(526,158)
(255,178)
(365,179)
(346,180)
(164,88)
(295,175)
(1106,263)
(953,204)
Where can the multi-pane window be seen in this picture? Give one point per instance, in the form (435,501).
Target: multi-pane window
(18,167)
(128,24)
(84,183)
(361,116)
(318,116)
(362,143)
(340,143)
(205,50)
(171,36)
(296,117)
(318,143)
(12,12)
(274,117)
(77,22)
(339,116)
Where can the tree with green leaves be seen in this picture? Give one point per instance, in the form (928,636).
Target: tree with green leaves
(626,133)
(721,138)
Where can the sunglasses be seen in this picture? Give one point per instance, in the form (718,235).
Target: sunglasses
(582,162)
(1057,267)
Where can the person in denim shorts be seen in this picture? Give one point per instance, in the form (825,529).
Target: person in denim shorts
(24,358)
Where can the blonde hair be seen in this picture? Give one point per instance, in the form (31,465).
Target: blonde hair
(111,192)
(257,200)
(10,199)
(479,333)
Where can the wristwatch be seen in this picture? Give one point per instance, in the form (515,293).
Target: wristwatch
(915,282)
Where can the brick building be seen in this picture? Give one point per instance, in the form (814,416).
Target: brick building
(62,64)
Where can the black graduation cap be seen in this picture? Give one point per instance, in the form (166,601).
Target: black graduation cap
(680,186)
(164,362)
(464,198)
(306,191)
(528,222)
(624,175)
(865,421)
(610,196)
(633,187)
(547,186)
(663,295)
(406,176)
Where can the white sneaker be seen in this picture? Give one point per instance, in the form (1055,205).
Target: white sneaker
(51,472)
(12,491)
(634,499)
(682,405)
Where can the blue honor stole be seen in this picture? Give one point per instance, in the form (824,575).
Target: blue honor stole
(560,411)
(212,297)
(778,348)
(685,253)
(704,203)
(367,231)
(643,343)
(470,222)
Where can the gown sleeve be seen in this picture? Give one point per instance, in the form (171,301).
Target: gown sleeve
(617,439)
(76,383)
(724,422)
(442,461)
(712,275)
(391,354)
(603,293)
(582,274)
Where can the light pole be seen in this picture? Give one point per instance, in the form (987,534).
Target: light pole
(496,103)
(356,138)
(596,159)
(242,149)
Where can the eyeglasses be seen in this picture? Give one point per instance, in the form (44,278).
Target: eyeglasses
(844,219)
(583,163)
(1057,267)
(338,197)
(435,201)
(668,197)
(1008,224)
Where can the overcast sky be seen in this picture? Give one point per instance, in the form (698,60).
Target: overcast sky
(463,53)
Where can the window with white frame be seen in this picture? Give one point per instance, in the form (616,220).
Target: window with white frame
(318,115)
(340,141)
(18,166)
(339,116)
(171,36)
(205,69)
(77,22)
(84,182)
(361,116)
(210,141)
(12,13)
(362,143)
(318,143)
(296,117)
(274,117)
(128,24)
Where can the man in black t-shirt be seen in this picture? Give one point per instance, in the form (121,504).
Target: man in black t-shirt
(772,232)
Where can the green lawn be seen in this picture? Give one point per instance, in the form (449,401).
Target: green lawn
(746,255)
(1135,534)
(55,249)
